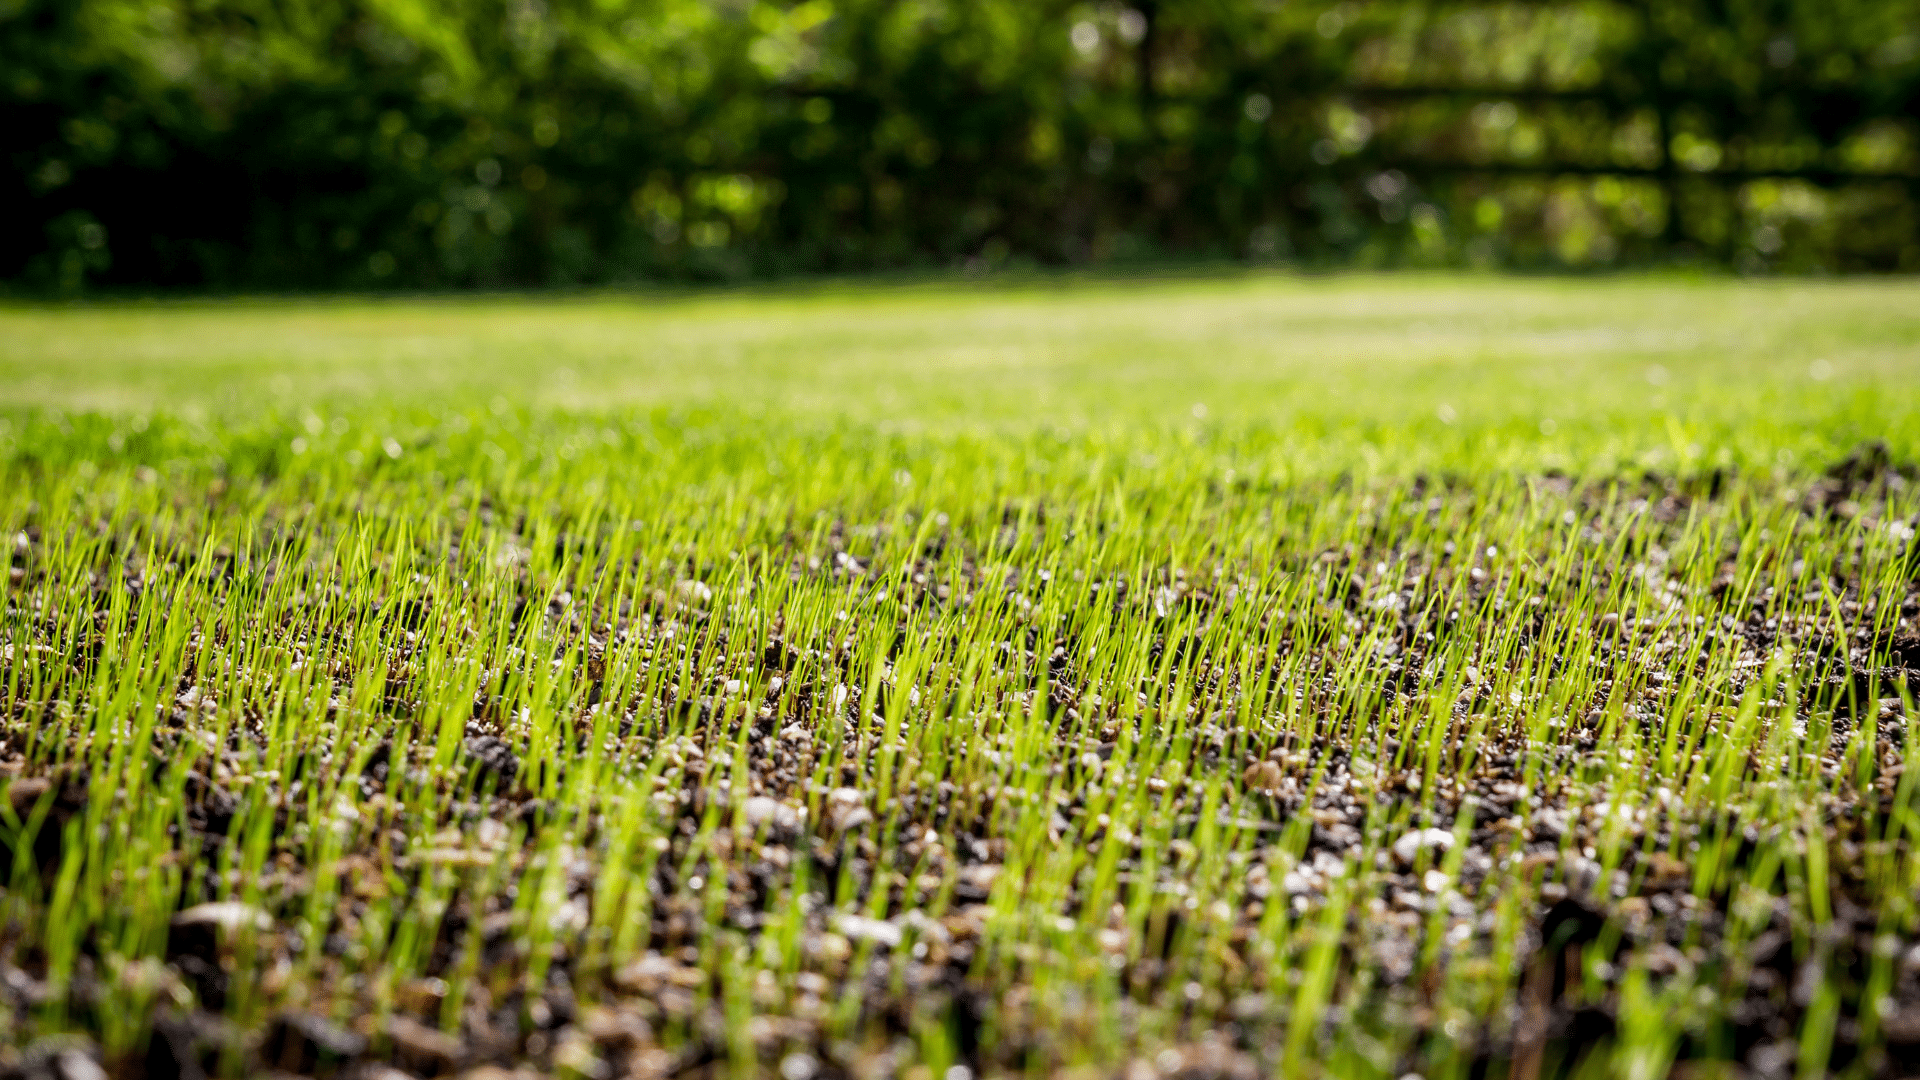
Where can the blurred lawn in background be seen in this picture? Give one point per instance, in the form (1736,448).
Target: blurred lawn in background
(1392,374)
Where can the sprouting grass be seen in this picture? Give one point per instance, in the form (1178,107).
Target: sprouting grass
(1348,678)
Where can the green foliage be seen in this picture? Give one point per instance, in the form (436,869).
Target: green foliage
(373,143)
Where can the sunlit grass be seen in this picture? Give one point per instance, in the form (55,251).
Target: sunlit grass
(1343,677)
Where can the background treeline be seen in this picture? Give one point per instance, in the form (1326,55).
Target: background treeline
(307,144)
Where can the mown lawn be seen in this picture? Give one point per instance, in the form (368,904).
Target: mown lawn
(1350,677)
